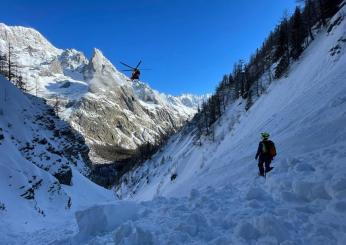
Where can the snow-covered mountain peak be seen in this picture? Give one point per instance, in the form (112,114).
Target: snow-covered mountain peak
(192,100)
(147,94)
(72,59)
(101,72)
(29,42)
(99,62)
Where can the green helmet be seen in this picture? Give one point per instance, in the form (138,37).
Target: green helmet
(265,135)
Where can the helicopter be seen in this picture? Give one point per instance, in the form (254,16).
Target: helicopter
(135,70)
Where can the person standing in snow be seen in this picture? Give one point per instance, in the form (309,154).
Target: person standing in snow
(265,153)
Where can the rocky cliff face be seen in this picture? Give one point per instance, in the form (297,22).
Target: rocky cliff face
(44,165)
(117,114)
(39,152)
(114,114)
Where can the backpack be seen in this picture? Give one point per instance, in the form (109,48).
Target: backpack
(269,147)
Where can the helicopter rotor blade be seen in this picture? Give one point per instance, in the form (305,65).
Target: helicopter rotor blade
(126,70)
(127,65)
(138,64)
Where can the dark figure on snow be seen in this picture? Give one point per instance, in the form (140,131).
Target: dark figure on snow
(265,153)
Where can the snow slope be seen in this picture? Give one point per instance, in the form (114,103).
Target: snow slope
(42,167)
(304,113)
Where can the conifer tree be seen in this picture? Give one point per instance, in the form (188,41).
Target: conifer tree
(11,65)
(249,101)
(309,16)
(322,13)
(298,34)
(3,62)
(282,49)
(20,83)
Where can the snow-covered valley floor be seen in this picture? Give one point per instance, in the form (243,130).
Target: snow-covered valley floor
(297,204)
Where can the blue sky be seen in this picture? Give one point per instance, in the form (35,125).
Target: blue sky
(188,44)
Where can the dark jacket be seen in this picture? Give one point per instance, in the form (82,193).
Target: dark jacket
(263,149)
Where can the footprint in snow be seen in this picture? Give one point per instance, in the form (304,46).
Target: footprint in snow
(292,161)
(304,167)
(256,193)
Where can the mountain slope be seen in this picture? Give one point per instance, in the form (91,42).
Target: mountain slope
(43,166)
(114,114)
(303,112)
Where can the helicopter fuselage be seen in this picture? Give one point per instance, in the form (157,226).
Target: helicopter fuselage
(135,74)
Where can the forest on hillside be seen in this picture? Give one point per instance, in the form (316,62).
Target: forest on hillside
(271,61)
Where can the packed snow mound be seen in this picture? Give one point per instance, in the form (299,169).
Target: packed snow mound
(226,215)
(105,218)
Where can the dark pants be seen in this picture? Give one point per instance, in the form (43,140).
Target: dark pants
(266,161)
